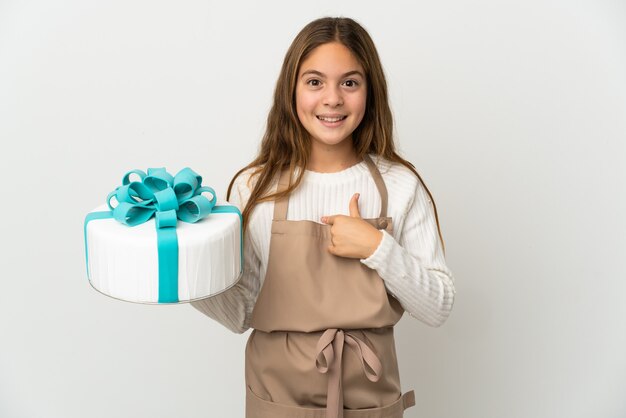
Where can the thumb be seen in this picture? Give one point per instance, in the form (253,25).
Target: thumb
(354,206)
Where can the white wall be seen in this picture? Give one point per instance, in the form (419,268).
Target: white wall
(513,112)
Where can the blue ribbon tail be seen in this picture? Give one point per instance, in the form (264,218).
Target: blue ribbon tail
(167,242)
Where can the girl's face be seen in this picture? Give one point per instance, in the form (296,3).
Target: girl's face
(330,94)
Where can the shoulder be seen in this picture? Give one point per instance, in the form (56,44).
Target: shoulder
(246,179)
(243,184)
(403,186)
(396,174)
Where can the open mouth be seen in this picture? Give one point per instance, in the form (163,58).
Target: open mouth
(331,120)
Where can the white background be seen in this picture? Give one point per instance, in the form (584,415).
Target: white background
(513,112)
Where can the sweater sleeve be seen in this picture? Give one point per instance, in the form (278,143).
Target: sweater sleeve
(233,307)
(414,269)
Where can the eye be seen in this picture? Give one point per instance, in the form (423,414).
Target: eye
(351,83)
(313,80)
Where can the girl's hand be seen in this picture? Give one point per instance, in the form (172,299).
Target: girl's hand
(351,236)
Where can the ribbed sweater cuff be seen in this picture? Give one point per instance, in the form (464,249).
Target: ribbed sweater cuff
(381,255)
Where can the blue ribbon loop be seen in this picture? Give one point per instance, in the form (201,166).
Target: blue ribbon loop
(167,198)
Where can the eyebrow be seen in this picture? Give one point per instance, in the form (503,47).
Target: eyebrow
(322,75)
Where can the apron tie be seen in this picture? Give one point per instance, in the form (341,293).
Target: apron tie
(330,348)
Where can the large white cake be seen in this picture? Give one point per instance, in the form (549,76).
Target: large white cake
(123,261)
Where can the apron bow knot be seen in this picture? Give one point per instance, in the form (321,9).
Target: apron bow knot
(328,360)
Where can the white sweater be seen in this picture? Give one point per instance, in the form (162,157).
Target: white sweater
(410,260)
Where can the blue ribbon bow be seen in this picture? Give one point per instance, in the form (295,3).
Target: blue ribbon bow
(167,198)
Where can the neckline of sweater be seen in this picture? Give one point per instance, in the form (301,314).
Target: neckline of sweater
(345,174)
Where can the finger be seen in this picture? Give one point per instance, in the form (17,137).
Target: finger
(329,219)
(354,206)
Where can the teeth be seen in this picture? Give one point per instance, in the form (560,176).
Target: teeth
(331,119)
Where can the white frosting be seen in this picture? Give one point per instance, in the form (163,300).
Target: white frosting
(123,260)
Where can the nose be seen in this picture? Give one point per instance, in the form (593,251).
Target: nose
(332,96)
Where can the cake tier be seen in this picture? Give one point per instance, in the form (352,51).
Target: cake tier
(123,261)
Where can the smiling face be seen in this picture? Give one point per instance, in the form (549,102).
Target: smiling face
(330,94)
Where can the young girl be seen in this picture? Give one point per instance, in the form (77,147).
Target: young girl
(341,236)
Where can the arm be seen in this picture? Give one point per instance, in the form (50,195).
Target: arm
(233,308)
(414,269)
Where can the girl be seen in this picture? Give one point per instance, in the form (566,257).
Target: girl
(340,239)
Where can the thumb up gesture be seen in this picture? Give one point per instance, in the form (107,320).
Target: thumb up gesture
(351,236)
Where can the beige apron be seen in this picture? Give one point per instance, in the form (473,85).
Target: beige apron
(311,305)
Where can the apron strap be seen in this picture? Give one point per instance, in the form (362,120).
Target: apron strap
(280,206)
(380,184)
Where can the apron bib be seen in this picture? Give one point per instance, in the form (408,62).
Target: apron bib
(311,306)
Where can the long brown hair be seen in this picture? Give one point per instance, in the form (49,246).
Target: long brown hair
(286,143)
